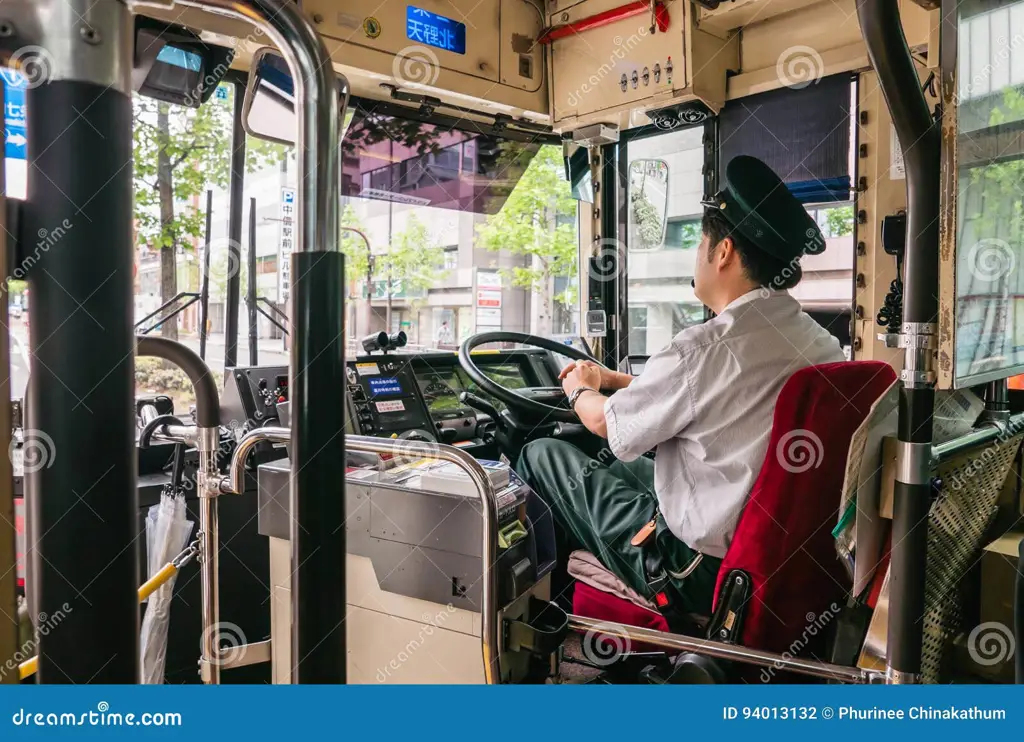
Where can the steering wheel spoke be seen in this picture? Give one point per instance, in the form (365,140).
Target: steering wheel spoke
(547,403)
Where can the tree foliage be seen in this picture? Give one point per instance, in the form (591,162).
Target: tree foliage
(538,221)
(357,252)
(414,260)
(179,153)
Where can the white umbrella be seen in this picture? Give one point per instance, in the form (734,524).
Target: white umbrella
(167,532)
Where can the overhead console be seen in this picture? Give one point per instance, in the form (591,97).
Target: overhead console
(619,64)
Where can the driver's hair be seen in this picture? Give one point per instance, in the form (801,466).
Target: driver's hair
(759,267)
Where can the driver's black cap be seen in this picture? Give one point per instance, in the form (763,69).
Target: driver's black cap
(757,204)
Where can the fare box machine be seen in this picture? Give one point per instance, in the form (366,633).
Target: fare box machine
(415,564)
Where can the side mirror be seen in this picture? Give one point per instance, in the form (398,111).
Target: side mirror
(577,172)
(648,204)
(269,106)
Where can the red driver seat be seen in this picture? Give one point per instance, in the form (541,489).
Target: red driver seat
(784,538)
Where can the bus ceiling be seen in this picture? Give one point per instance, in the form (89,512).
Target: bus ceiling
(615,66)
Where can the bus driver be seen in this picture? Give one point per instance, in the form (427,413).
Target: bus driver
(705,403)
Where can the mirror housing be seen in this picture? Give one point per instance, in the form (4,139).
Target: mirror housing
(172,64)
(268,110)
(648,204)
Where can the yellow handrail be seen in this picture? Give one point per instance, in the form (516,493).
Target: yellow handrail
(28,668)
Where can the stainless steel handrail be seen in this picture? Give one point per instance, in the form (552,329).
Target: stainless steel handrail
(945,451)
(724,651)
(235,482)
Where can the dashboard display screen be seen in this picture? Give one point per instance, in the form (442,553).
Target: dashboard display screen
(384,386)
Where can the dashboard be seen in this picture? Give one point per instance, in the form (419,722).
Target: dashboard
(399,394)
(409,394)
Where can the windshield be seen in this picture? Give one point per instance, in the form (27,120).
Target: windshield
(467,232)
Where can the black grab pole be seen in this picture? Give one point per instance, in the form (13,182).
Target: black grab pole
(204,291)
(236,188)
(80,465)
(919,139)
(250,294)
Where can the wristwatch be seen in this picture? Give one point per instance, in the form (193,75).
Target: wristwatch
(577,392)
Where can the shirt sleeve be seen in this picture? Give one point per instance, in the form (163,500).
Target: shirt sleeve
(656,406)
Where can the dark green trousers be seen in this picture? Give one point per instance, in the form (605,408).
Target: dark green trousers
(599,503)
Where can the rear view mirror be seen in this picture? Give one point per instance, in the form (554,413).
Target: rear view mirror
(172,64)
(269,107)
(577,171)
(648,204)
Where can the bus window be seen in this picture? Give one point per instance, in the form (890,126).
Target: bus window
(468,232)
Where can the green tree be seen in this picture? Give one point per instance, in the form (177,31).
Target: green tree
(179,153)
(538,222)
(358,256)
(839,221)
(413,263)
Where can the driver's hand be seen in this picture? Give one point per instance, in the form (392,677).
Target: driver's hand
(582,374)
(574,365)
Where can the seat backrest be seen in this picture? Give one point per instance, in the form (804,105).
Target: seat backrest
(784,537)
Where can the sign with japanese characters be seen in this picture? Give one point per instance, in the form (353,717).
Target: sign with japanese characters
(435,30)
(286,243)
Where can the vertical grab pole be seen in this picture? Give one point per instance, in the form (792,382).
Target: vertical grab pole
(237,188)
(204,291)
(318,348)
(80,454)
(919,139)
(251,289)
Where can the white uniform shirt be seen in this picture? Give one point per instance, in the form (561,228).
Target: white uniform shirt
(706,402)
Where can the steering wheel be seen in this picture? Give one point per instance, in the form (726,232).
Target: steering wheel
(538,401)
